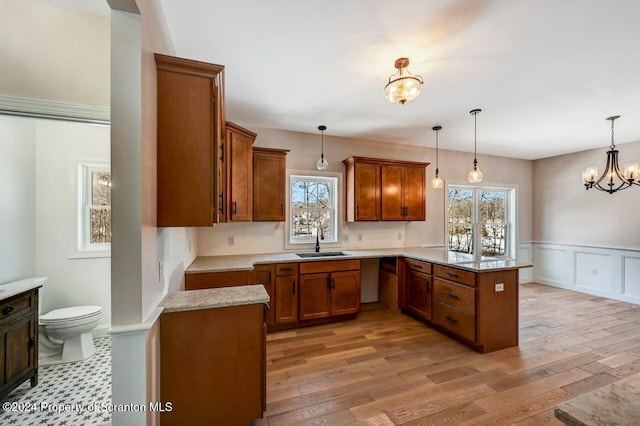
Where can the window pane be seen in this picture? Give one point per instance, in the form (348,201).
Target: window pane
(492,206)
(100,226)
(460,207)
(100,188)
(494,239)
(461,238)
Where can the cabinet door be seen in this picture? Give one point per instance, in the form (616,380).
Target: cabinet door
(367,191)
(240,177)
(345,292)
(413,193)
(19,348)
(264,274)
(419,291)
(392,206)
(314,296)
(286,307)
(269,186)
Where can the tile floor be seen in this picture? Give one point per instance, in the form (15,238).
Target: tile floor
(85,384)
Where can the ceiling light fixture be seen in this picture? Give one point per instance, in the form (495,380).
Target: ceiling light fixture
(613,178)
(402,86)
(322,164)
(437,182)
(475,175)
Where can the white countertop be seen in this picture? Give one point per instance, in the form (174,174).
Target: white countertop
(436,255)
(13,288)
(214,298)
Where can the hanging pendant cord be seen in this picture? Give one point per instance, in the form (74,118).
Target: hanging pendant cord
(475,140)
(437,150)
(322,148)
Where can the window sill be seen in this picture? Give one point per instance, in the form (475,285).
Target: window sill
(90,254)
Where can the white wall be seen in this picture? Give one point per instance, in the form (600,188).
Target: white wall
(305,151)
(17,199)
(73,280)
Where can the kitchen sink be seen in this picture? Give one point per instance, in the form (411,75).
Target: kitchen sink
(322,254)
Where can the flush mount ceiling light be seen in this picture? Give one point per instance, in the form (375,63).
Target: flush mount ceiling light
(437,182)
(475,175)
(612,180)
(402,86)
(322,164)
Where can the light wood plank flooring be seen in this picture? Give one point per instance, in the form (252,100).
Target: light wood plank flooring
(385,368)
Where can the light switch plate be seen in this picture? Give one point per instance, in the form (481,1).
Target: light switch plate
(500,287)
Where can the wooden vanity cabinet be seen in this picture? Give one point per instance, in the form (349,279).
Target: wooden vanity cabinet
(238,161)
(204,280)
(191,129)
(269,184)
(18,341)
(286,293)
(419,288)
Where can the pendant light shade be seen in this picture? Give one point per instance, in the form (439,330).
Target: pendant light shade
(475,175)
(402,86)
(437,182)
(322,163)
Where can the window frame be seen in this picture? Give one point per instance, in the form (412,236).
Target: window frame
(510,222)
(84,247)
(309,243)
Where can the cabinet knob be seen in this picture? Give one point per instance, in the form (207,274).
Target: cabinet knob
(8,310)
(450,319)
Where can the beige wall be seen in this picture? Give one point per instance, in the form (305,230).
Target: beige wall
(305,150)
(565,213)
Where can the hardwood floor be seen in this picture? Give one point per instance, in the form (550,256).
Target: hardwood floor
(385,368)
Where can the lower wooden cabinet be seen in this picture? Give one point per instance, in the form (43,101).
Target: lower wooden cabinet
(18,341)
(204,280)
(331,293)
(419,291)
(286,291)
(265,275)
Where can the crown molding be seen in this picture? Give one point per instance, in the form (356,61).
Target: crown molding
(36,108)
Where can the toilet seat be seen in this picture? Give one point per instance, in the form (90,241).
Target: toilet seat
(70,314)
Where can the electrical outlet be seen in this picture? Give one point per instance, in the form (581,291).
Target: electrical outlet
(232,241)
(161,271)
(345,238)
(190,247)
(500,287)
(360,237)
(594,271)
(399,236)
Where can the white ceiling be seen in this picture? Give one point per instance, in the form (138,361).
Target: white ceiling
(546,73)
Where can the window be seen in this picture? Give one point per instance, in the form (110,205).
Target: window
(94,207)
(481,217)
(313,209)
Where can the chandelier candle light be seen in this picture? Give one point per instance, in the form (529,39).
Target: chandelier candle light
(437,182)
(475,175)
(612,179)
(322,164)
(402,86)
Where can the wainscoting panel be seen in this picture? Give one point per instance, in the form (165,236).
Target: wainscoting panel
(525,254)
(601,271)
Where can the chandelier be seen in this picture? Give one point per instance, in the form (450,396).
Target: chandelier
(612,180)
(402,86)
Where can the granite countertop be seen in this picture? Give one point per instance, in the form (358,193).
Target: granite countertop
(214,298)
(12,288)
(436,255)
(614,404)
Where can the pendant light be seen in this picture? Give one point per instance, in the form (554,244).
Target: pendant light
(612,180)
(322,164)
(437,182)
(475,175)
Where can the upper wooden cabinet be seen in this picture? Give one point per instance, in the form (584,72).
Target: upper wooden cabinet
(269,184)
(190,132)
(238,161)
(389,190)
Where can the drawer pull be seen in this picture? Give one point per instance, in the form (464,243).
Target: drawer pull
(428,288)
(8,310)
(293,288)
(32,342)
(453,320)
(235,207)
(267,306)
(333,283)
(451,274)
(286,269)
(452,295)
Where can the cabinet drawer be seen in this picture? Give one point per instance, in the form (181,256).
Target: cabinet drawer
(329,266)
(16,305)
(456,295)
(419,265)
(454,320)
(286,269)
(457,275)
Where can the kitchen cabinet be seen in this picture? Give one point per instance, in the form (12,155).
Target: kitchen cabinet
(238,161)
(213,365)
(190,133)
(265,275)
(419,288)
(329,289)
(198,281)
(269,184)
(387,190)
(18,341)
(286,292)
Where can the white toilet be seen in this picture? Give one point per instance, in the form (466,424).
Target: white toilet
(68,329)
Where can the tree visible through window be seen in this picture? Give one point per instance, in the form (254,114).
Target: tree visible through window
(313,208)
(95,207)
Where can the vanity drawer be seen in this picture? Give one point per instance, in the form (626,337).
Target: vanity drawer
(457,275)
(286,269)
(454,320)
(418,265)
(456,295)
(17,305)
